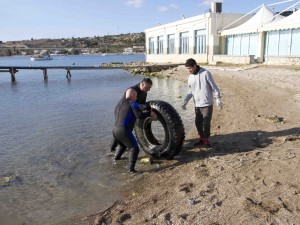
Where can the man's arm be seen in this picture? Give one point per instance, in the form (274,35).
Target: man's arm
(138,113)
(216,90)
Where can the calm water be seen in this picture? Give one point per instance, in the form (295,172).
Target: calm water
(54,138)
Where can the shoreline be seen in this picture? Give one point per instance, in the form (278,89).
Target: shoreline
(250,176)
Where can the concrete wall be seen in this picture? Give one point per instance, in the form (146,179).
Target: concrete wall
(275,60)
(174,58)
(233,59)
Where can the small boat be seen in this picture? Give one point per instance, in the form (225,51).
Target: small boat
(40,57)
(128,51)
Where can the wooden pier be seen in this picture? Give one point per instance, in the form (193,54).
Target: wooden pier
(14,69)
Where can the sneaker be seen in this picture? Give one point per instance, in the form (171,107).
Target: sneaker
(206,142)
(199,142)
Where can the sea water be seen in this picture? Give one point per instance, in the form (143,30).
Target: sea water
(55,161)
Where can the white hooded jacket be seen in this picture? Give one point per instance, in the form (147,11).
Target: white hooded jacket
(201,88)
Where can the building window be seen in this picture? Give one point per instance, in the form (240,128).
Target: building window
(160,45)
(242,44)
(184,43)
(200,41)
(295,44)
(229,45)
(272,43)
(253,37)
(171,44)
(281,43)
(151,45)
(284,43)
(236,45)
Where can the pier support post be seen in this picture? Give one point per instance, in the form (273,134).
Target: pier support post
(45,74)
(68,76)
(13,74)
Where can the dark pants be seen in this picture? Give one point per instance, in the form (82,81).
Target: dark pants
(113,144)
(124,137)
(202,120)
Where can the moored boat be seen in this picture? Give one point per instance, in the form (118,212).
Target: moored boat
(40,57)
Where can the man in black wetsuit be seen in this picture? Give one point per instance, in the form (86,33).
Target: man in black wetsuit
(126,113)
(141,89)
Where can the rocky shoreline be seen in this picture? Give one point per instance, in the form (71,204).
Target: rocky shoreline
(146,69)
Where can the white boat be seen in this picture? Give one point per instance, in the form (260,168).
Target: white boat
(128,51)
(40,57)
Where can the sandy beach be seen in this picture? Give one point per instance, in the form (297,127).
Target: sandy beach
(249,176)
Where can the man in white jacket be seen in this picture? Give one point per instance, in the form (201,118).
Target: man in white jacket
(201,88)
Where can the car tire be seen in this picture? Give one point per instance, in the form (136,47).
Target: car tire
(173,128)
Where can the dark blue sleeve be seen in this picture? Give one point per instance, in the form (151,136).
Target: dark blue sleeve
(138,112)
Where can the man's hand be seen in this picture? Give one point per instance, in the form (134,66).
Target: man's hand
(153,115)
(183,105)
(219,103)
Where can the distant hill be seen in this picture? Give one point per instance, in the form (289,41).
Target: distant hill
(97,44)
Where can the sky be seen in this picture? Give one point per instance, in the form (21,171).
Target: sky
(37,19)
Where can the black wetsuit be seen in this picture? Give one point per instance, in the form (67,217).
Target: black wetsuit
(141,100)
(126,114)
(141,95)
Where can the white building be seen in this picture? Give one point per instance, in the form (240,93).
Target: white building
(195,37)
(232,38)
(245,39)
(282,44)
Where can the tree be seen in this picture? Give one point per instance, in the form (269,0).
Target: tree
(8,52)
(75,51)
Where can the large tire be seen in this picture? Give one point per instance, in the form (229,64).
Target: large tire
(173,131)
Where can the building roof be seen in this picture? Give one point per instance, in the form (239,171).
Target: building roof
(289,22)
(262,17)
